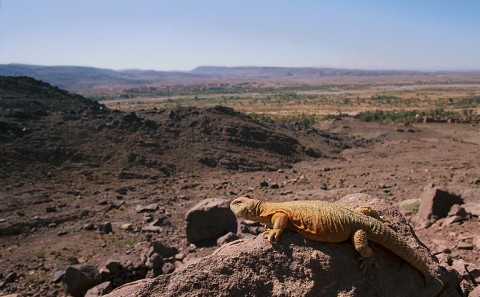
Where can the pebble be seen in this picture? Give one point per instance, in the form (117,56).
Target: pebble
(62,233)
(464,246)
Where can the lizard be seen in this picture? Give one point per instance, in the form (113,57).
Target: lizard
(329,222)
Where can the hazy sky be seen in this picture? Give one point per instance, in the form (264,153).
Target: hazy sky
(180,35)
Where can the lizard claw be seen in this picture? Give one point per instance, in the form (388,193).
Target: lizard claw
(271,235)
(367,264)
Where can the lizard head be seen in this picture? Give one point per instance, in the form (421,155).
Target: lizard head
(245,207)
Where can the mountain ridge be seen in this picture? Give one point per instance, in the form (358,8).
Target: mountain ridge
(85,80)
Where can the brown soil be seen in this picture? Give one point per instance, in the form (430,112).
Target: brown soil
(66,161)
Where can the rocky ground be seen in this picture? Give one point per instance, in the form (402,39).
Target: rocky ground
(94,194)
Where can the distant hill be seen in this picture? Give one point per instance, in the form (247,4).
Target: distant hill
(272,72)
(75,78)
(89,80)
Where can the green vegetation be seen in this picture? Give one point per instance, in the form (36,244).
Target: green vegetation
(405,116)
(121,244)
(295,119)
(40,254)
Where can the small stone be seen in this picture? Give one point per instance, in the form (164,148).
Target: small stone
(11,277)
(476,242)
(155,229)
(475,292)
(62,233)
(323,186)
(105,228)
(168,268)
(249,190)
(457,210)
(229,237)
(274,186)
(57,276)
(52,225)
(113,266)
(149,208)
(156,261)
(464,246)
(127,227)
(103,202)
(50,209)
(179,256)
(452,219)
(264,184)
(162,221)
(99,290)
(88,227)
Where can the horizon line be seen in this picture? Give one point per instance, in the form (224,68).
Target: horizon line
(424,70)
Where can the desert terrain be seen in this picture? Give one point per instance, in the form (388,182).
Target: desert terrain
(86,182)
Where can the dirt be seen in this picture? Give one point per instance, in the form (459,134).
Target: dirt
(67,161)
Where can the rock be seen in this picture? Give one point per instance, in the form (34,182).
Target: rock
(323,186)
(475,292)
(162,221)
(274,186)
(153,229)
(435,203)
(50,209)
(208,220)
(127,227)
(168,268)
(113,266)
(476,242)
(99,290)
(58,275)
(88,227)
(105,228)
(294,266)
(464,246)
(264,184)
(62,233)
(230,236)
(149,208)
(163,250)
(457,210)
(179,256)
(11,277)
(451,220)
(79,279)
(155,261)
(473,208)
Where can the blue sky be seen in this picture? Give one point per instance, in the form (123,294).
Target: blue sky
(181,35)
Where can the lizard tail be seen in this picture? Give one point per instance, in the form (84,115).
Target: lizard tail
(388,238)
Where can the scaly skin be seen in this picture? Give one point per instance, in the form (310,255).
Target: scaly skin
(329,222)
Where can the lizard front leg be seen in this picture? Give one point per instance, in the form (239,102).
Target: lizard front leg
(279,223)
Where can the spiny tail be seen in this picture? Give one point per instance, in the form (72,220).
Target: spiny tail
(385,236)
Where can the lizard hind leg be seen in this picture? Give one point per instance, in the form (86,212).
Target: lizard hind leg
(360,242)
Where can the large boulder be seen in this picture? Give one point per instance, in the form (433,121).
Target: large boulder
(208,220)
(435,203)
(80,278)
(295,266)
